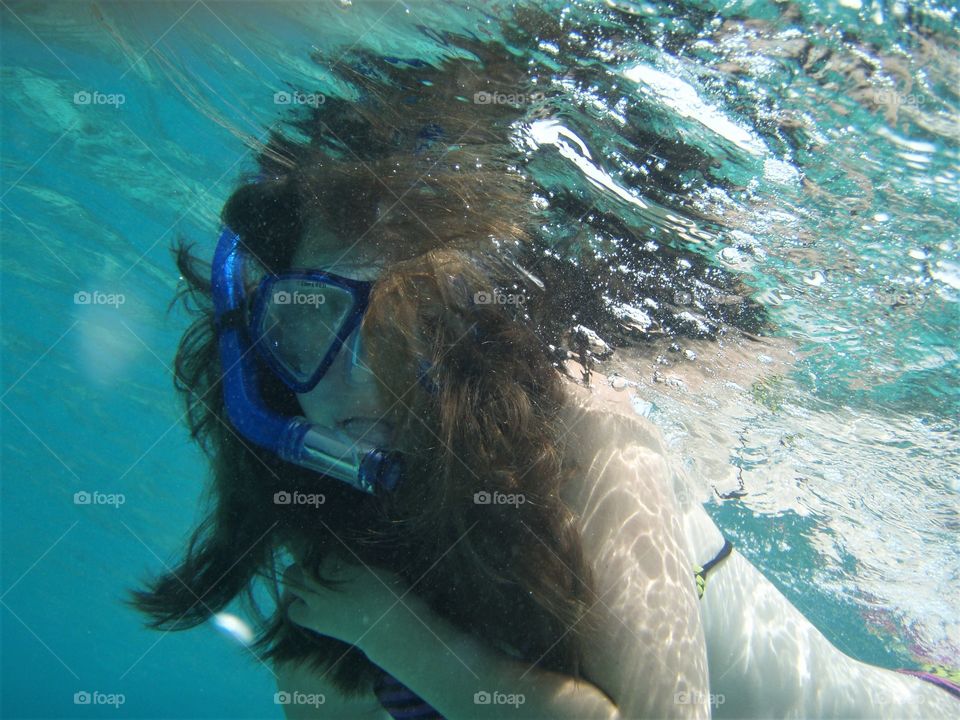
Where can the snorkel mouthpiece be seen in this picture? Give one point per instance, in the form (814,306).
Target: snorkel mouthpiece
(296,440)
(359,464)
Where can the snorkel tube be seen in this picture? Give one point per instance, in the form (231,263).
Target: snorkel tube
(295,439)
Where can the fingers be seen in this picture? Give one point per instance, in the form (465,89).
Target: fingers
(301,582)
(298,612)
(294,579)
(293,599)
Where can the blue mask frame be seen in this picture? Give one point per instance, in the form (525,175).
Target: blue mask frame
(294,439)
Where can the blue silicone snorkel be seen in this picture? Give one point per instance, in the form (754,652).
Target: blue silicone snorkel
(295,439)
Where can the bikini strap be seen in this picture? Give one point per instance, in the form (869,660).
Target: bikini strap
(700,573)
(401,702)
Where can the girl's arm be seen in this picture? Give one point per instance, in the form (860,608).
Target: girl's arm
(462,677)
(455,673)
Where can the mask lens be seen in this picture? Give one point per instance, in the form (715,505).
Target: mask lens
(297,323)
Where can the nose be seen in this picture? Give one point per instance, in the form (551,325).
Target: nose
(351,365)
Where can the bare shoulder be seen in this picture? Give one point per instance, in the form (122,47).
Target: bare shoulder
(305,695)
(601,416)
(649,643)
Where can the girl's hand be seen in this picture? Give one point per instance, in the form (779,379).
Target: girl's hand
(348,611)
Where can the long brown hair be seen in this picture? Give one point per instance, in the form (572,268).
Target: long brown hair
(436,188)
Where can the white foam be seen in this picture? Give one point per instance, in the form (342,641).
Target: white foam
(682,98)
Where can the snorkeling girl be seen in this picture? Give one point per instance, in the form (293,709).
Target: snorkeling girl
(471,533)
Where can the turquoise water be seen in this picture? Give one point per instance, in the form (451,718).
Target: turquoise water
(809,148)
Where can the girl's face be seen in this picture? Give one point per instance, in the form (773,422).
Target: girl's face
(348,396)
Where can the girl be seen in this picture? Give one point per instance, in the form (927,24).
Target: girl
(473,534)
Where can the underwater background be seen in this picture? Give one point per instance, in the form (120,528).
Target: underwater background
(803,153)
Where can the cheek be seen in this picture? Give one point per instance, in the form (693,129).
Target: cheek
(319,406)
